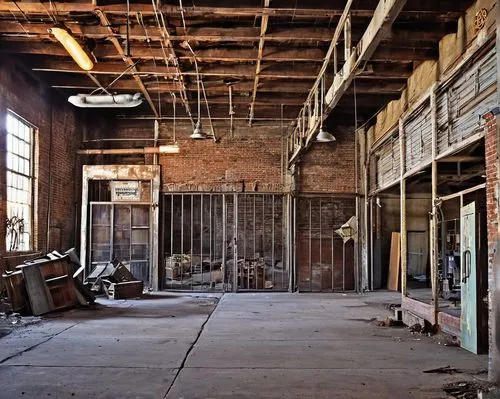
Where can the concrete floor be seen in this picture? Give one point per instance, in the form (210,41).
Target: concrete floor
(250,346)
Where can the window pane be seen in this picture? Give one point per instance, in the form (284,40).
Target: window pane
(10,123)
(26,150)
(15,145)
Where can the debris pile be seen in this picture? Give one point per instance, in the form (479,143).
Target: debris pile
(114,280)
(47,284)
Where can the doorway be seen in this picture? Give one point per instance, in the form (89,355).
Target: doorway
(121,232)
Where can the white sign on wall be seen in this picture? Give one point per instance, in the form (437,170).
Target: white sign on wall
(125,191)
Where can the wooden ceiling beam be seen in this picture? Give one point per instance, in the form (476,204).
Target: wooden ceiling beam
(263,28)
(280,70)
(306,54)
(101,68)
(126,83)
(128,61)
(363,8)
(106,51)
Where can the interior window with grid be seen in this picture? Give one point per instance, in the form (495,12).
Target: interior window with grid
(19,183)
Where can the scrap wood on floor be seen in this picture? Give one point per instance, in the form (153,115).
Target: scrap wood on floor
(47,284)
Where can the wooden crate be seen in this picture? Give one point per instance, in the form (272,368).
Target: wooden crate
(125,290)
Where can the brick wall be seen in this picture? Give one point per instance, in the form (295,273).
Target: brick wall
(240,164)
(329,167)
(249,161)
(492,212)
(55,163)
(491,184)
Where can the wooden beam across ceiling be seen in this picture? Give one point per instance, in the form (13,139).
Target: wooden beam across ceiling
(263,28)
(128,60)
(154,33)
(364,8)
(105,51)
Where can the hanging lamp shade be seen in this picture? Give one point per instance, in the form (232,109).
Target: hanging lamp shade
(198,133)
(324,136)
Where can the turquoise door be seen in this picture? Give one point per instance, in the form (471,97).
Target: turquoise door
(468,317)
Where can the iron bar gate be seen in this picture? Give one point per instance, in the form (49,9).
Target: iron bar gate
(224,242)
(325,262)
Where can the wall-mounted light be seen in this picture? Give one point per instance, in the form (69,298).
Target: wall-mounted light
(73,48)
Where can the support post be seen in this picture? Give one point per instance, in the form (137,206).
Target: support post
(403,238)
(434,212)
(494,267)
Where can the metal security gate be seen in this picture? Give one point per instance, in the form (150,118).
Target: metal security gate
(325,262)
(224,242)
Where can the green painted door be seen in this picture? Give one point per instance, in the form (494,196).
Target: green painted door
(468,317)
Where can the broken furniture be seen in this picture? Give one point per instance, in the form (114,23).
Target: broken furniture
(49,285)
(115,280)
(46,284)
(16,291)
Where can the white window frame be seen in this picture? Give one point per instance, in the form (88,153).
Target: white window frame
(21,181)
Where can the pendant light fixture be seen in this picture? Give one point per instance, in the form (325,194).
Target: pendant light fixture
(73,48)
(323,135)
(198,133)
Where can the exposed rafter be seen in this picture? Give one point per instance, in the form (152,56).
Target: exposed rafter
(263,28)
(269,54)
(128,60)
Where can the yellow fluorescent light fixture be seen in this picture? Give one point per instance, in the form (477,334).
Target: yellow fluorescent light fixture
(73,48)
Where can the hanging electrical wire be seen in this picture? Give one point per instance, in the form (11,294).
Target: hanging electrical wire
(105,89)
(164,33)
(140,20)
(127,47)
(182,16)
(200,82)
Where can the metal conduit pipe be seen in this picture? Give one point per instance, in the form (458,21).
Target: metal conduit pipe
(162,149)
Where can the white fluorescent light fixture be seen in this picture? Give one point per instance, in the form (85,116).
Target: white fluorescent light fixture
(106,100)
(73,48)
(169,149)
